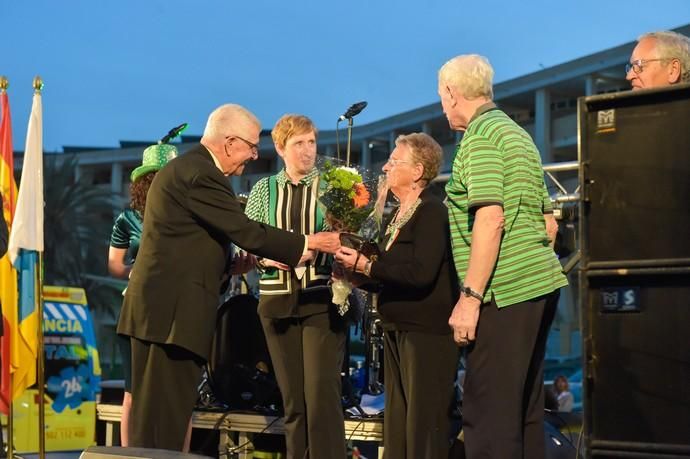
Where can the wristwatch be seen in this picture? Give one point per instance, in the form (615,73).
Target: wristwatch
(467,291)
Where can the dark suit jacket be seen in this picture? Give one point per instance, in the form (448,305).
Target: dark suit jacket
(191,216)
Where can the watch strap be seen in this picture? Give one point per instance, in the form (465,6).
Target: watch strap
(474,294)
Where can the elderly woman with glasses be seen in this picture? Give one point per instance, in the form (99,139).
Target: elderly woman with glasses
(418,289)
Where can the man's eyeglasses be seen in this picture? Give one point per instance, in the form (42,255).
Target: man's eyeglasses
(253,146)
(638,65)
(394,162)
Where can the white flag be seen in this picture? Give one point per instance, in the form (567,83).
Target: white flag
(27,226)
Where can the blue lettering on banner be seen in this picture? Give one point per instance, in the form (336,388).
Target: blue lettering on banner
(62,352)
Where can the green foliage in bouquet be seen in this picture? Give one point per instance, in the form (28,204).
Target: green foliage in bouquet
(345,197)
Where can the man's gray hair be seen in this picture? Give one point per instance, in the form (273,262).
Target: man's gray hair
(228,117)
(471,74)
(672,45)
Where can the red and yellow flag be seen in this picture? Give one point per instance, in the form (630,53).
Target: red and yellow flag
(8,276)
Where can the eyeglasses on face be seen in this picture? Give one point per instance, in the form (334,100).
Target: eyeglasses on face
(638,65)
(394,162)
(253,146)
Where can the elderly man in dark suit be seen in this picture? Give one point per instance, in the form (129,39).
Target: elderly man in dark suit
(169,310)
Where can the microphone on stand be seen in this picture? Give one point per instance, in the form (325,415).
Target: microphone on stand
(353,111)
(348,115)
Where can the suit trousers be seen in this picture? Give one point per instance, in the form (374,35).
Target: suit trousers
(420,370)
(307,354)
(503,402)
(165,379)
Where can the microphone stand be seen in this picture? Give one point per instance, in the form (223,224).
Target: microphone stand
(349,114)
(337,138)
(373,343)
(349,139)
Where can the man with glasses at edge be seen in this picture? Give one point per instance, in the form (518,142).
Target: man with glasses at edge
(659,59)
(169,311)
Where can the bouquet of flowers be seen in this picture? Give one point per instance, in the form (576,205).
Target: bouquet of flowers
(348,196)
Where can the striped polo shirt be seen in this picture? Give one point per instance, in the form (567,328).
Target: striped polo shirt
(497,163)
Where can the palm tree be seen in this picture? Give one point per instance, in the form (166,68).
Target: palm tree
(78,221)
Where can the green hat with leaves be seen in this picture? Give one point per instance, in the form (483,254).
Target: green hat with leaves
(155,157)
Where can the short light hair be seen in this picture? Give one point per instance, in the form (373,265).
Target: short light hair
(471,74)
(672,45)
(426,151)
(290,125)
(228,117)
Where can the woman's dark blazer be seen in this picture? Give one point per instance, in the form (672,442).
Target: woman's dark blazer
(419,286)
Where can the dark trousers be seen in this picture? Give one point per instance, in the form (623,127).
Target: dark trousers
(420,370)
(307,355)
(164,390)
(503,403)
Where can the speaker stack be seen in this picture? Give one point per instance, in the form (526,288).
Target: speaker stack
(635,272)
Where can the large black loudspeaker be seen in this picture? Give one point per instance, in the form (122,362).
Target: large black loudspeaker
(635,153)
(635,272)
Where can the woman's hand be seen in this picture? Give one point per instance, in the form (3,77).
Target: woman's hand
(347,257)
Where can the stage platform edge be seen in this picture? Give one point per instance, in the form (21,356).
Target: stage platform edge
(245,424)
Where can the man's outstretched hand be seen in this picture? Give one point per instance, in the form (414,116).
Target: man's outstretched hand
(326,241)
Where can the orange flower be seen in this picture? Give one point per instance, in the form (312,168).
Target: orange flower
(361,198)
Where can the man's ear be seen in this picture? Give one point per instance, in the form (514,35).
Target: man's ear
(453,94)
(674,70)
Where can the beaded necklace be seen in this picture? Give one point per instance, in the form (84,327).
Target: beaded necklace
(399,221)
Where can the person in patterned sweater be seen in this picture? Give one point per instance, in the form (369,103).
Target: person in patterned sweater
(304,333)
(502,229)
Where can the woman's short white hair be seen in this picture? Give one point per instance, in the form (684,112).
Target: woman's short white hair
(227,117)
(672,45)
(471,74)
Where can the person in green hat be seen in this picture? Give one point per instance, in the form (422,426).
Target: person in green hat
(124,245)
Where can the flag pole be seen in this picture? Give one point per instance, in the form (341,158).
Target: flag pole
(41,364)
(38,86)
(4,85)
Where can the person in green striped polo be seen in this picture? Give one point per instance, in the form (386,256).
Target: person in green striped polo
(502,231)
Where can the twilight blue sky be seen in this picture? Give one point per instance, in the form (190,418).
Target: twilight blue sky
(131,69)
